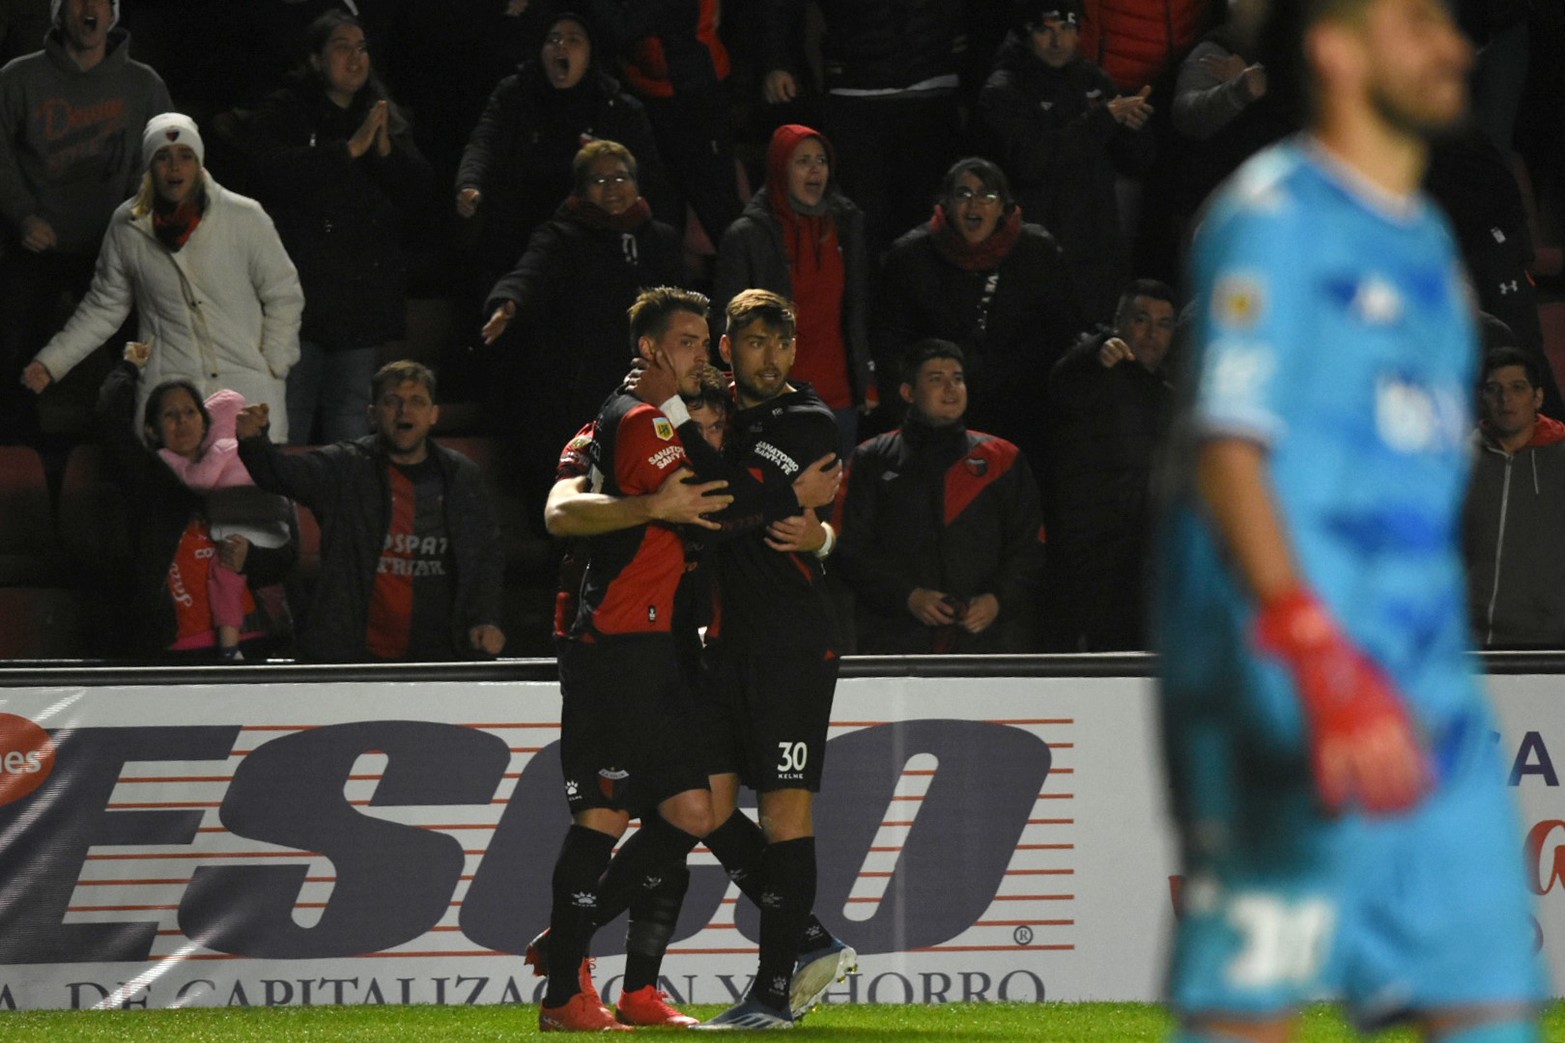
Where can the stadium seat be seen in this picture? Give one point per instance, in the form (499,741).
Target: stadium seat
(1551,316)
(40,623)
(1547,257)
(29,550)
(93,520)
(527,553)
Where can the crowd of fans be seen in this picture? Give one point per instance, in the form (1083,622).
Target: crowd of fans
(978,210)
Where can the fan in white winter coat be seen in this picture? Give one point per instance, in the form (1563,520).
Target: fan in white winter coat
(212,286)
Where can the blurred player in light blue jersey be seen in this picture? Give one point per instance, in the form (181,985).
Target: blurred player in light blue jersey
(1346,827)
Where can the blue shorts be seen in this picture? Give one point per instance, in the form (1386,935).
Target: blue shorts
(1282,905)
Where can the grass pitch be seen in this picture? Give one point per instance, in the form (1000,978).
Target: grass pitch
(977,1022)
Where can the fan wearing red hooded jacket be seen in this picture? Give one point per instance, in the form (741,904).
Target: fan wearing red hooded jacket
(1514,524)
(802,239)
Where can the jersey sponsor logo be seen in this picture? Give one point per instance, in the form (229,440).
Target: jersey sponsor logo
(1239,300)
(1412,417)
(785,463)
(409,543)
(663,428)
(669,454)
(410,567)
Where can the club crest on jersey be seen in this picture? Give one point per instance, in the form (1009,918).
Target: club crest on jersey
(663,428)
(976,466)
(609,781)
(1238,301)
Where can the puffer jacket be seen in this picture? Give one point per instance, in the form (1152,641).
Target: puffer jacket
(222,312)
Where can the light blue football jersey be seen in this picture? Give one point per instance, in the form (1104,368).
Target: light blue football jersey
(1334,326)
(1335,329)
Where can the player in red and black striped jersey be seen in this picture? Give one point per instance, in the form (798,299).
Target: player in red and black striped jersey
(740,845)
(626,711)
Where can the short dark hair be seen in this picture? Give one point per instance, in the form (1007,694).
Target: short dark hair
(1499,358)
(712,397)
(400,372)
(1153,288)
(655,306)
(773,309)
(921,351)
(591,152)
(988,174)
(149,413)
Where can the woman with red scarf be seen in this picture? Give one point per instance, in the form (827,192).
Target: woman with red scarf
(802,238)
(562,308)
(976,274)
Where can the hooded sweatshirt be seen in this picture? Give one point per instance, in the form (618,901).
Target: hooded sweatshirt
(816,266)
(1514,540)
(73,139)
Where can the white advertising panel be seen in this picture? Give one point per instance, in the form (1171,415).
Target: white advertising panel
(383,842)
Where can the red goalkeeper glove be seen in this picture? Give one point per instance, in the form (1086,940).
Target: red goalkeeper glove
(1363,747)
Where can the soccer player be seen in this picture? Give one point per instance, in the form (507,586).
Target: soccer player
(773,668)
(1345,825)
(627,712)
(738,843)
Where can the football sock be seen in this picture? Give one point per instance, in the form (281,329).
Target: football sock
(653,914)
(583,856)
(641,865)
(740,845)
(1493,1032)
(787,893)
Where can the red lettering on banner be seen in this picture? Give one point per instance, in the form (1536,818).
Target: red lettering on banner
(26,757)
(1537,836)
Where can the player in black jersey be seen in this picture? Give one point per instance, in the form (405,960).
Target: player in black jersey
(772,665)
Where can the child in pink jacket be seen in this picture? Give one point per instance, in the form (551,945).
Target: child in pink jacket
(235,507)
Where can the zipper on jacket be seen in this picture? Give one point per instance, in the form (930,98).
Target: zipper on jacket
(1499,550)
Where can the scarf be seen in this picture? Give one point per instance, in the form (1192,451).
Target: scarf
(594,216)
(173,224)
(976,257)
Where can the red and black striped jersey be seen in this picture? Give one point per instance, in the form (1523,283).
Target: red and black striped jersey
(632,574)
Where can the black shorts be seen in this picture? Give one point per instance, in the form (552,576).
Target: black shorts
(765,716)
(627,722)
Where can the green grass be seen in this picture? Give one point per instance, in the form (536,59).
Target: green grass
(977,1022)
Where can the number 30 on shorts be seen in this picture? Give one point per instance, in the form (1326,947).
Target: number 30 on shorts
(792,756)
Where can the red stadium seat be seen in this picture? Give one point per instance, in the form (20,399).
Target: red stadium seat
(29,550)
(40,623)
(1551,315)
(94,522)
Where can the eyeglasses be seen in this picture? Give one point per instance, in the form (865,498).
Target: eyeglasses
(967,195)
(603,179)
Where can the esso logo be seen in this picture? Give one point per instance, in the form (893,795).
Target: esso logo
(26,757)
